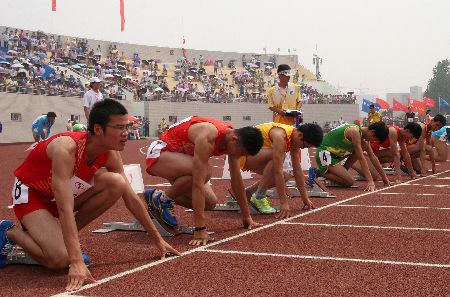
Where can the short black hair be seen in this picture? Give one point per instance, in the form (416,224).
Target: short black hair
(415,129)
(381,130)
(51,114)
(102,110)
(440,118)
(250,138)
(312,133)
(371,105)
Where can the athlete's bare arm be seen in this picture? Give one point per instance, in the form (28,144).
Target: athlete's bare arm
(136,205)
(422,152)
(300,179)
(376,163)
(62,152)
(278,139)
(393,139)
(407,158)
(353,135)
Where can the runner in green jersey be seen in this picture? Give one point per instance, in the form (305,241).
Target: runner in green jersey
(349,141)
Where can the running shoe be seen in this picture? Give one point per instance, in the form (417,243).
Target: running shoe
(165,209)
(6,245)
(86,258)
(262,205)
(313,173)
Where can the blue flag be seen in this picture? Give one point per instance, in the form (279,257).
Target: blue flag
(443,103)
(365,107)
(48,70)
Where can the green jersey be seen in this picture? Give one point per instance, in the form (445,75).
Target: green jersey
(79,128)
(336,143)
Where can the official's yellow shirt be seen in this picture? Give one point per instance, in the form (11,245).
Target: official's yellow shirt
(374,116)
(284,99)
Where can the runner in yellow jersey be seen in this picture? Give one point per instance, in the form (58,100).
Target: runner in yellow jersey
(278,140)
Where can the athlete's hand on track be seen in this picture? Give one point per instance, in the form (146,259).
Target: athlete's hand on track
(250,224)
(388,183)
(78,275)
(398,179)
(166,249)
(200,238)
(370,187)
(285,211)
(307,204)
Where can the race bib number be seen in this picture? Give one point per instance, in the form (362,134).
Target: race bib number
(325,158)
(154,150)
(19,192)
(79,186)
(410,120)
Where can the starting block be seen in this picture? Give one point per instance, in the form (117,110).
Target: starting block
(360,178)
(134,175)
(391,171)
(336,185)
(231,204)
(19,256)
(315,191)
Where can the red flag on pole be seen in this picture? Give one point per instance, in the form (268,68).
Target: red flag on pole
(122,16)
(397,106)
(382,103)
(183,49)
(428,101)
(417,106)
(53,5)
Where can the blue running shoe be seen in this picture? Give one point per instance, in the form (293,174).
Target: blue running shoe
(313,173)
(6,245)
(164,208)
(86,258)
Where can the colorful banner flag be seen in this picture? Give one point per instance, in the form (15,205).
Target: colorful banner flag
(365,107)
(383,103)
(429,102)
(122,16)
(53,5)
(417,106)
(397,106)
(443,103)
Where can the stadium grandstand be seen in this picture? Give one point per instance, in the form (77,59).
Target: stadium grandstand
(41,72)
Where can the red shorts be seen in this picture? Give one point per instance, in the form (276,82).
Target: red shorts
(27,200)
(154,152)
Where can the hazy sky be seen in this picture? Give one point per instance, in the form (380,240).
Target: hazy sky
(376,46)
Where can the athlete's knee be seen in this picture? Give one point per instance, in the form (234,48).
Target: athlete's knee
(57,260)
(113,182)
(348,181)
(211,202)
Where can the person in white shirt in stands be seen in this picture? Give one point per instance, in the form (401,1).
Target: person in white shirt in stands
(92,96)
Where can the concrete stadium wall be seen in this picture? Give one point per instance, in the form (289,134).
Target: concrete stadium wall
(31,106)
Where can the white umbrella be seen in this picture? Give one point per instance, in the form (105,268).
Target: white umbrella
(18,65)
(159,90)
(108,76)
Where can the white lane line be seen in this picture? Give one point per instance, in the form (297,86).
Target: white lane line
(328,258)
(201,248)
(424,185)
(448,177)
(418,194)
(159,185)
(394,206)
(368,227)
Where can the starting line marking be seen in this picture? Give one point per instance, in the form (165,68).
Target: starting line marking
(394,206)
(368,227)
(423,185)
(418,194)
(248,232)
(328,258)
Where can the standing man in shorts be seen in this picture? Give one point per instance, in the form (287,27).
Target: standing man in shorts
(42,125)
(59,179)
(349,141)
(181,156)
(278,140)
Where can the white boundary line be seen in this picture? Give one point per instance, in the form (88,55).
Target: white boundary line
(367,226)
(248,232)
(418,194)
(144,147)
(394,206)
(228,252)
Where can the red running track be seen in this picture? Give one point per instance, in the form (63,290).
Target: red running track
(393,242)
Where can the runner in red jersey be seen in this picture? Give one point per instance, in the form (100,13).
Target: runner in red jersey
(422,146)
(181,156)
(55,181)
(388,151)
